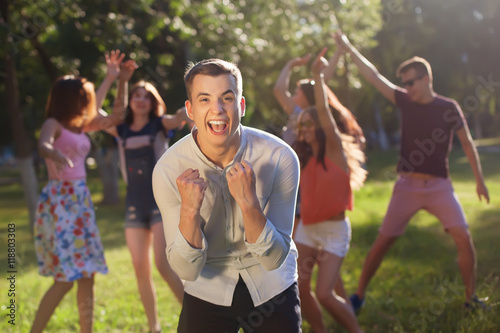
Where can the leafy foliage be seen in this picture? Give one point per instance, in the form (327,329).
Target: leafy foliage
(459,38)
(163,36)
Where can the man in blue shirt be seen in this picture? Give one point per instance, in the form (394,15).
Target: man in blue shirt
(227,197)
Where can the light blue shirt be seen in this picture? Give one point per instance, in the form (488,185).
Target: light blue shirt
(269,266)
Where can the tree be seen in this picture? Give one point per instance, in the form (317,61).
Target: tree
(22,144)
(54,37)
(461,41)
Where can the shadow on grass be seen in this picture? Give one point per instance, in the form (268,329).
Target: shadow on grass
(406,295)
(486,234)
(418,287)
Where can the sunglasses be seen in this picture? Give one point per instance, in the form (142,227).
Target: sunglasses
(410,83)
(305,124)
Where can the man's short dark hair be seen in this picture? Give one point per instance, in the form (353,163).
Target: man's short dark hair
(420,65)
(212,67)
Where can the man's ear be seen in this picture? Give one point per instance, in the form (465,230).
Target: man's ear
(427,78)
(242,106)
(189,110)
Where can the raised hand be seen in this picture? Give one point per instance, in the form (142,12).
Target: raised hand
(127,70)
(301,61)
(320,63)
(113,61)
(342,41)
(241,183)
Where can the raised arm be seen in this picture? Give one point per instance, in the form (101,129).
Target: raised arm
(104,121)
(473,157)
(281,87)
(177,121)
(328,124)
(113,61)
(332,63)
(367,69)
(121,101)
(126,71)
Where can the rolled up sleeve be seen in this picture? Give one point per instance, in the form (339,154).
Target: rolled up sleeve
(273,244)
(185,260)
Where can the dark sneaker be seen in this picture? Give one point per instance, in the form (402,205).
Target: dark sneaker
(357,303)
(477,303)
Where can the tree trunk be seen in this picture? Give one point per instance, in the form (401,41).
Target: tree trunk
(382,135)
(478,130)
(47,64)
(30,186)
(106,159)
(23,149)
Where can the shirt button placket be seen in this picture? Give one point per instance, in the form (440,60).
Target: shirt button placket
(227,206)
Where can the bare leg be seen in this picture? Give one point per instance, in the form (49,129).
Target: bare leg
(373,260)
(48,304)
(85,302)
(466,259)
(139,243)
(340,290)
(159,248)
(310,307)
(328,272)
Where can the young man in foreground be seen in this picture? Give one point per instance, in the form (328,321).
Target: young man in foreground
(227,197)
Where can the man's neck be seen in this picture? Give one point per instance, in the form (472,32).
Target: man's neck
(220,156)
(427,98)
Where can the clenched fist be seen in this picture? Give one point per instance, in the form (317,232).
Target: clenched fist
(241,183)
(192,189)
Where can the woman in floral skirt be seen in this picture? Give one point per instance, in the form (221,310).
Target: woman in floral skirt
(67,241)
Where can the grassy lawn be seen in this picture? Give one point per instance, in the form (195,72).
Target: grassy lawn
(417,289)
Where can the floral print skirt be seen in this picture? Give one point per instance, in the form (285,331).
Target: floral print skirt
(67,241)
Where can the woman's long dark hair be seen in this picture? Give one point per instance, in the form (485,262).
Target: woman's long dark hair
(346,121)
(71,97)
(352,150)
(302,148)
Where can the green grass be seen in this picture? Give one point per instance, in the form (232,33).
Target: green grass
(488,141)
(417,289)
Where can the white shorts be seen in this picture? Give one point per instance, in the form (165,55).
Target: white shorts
(331,236)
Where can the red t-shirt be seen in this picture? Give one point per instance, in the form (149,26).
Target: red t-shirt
(427,134)
(323,193)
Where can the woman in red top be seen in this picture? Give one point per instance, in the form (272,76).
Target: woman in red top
(330,167)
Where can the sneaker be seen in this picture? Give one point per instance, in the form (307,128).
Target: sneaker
(357,303)
(477,303)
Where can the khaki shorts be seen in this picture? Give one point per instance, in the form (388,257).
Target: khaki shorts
(435,195)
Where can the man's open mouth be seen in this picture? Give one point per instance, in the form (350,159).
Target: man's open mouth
(217,126)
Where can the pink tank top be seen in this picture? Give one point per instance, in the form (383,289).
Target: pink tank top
(323,193)
(76,147)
